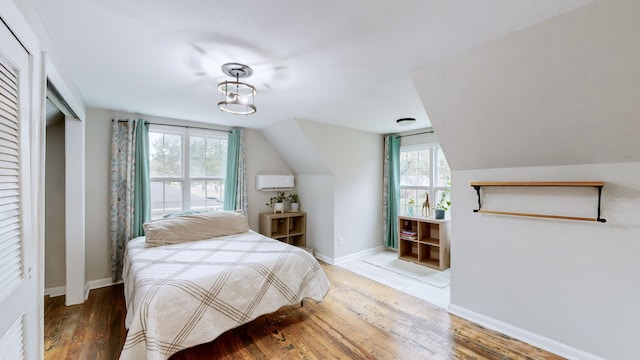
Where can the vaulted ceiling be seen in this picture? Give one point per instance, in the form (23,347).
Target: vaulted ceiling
(346,63)
(563,92)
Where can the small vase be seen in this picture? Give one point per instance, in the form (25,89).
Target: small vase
(439,214)
(411,210)
(295,206)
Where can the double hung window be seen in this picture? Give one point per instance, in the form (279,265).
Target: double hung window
(187,169)
(423,170)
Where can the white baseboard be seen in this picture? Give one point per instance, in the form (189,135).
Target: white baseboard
(55,291)
(523,335)
(357,255)
(322,257)
(100,283)
(90,285)
(349,257)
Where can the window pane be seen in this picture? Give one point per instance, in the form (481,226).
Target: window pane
(208,156)
(407,168)
(166,197)
(415,168)
(165,154)
(197,153)
(410,202)
(424,166)
(216,157)
(447,198)
(444,173)
(207,194)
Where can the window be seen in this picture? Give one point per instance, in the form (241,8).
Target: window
(187,169)
(423,169)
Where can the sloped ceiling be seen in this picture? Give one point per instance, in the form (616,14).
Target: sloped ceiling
(343,63)
(297,151)
(566,91)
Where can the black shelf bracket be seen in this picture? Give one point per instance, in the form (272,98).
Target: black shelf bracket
(479,203)
(599,219)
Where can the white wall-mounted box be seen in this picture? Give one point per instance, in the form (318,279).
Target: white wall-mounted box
(274,182)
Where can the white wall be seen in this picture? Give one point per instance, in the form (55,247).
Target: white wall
(556,101)
(320,212)
(97,165)
(572,282)
(339,179)
(261,158)
(54,274)
(354,159)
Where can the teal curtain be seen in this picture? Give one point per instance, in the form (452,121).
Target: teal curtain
(130,193)
(235,185)
(142,184)
(391,191)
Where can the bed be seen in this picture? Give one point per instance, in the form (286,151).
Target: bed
(188,293)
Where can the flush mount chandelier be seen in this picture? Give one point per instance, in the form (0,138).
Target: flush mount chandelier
(237,96)
(405,121)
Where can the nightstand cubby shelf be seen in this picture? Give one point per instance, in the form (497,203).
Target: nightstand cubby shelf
(424,241)
(287,227)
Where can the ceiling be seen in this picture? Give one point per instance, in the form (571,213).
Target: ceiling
(345,63)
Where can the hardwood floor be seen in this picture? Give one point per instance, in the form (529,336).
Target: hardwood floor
(359,319)
(92,330)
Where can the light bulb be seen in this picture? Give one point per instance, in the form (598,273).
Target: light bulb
(231,97)
(243,99)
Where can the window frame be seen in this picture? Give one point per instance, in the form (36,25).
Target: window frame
(186,133)
(434,189)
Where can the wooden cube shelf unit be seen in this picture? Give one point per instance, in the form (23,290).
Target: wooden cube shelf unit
(289,227)
(424,241)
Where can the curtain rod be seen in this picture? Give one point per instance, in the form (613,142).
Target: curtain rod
(420,133)
(183,126)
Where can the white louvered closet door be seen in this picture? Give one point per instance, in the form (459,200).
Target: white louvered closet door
(15,277)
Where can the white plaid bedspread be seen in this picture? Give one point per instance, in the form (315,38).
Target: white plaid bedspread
(182,295)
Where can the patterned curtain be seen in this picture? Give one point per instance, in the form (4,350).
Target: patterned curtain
(235,187)
(130,187)
(391,191)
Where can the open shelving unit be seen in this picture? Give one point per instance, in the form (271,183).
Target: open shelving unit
(288,227)
(424,241)
(477,185)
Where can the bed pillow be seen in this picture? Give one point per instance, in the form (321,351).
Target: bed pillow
(192,227)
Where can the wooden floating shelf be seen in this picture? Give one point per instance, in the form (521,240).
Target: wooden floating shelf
(483,211)
(539,183)
(597,184)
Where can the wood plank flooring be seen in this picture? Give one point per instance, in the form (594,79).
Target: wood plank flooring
(359,319)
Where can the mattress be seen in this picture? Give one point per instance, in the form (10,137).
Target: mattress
(182,295)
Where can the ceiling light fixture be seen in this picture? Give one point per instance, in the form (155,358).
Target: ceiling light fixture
(237,97)
(405,121)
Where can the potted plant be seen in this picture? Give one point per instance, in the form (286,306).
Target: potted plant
(277,202)
(443,204)
(293,202)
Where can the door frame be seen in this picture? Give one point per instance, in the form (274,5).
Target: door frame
(76,289)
